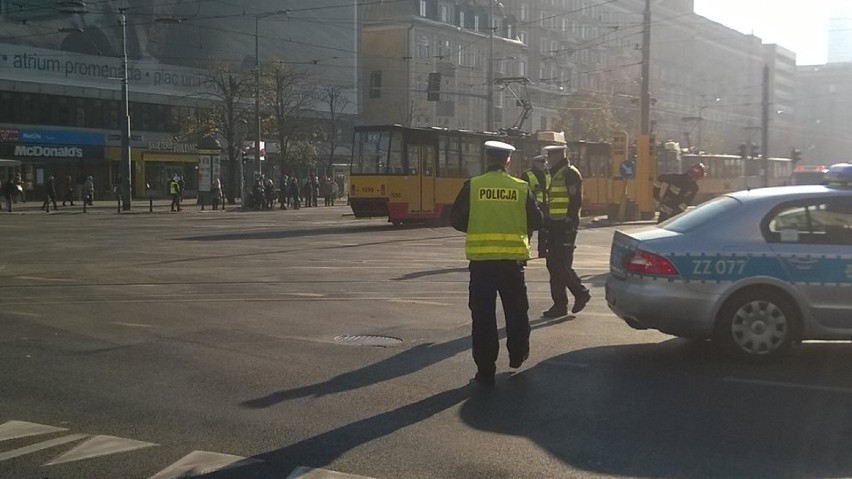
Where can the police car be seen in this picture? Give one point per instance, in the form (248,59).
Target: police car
(755,271)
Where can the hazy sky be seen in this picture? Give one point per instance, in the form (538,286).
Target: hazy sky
(800,26)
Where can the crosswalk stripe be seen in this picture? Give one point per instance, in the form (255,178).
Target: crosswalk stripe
(303,472)
(100,446)
(40,446)
(18,429)
(198,463)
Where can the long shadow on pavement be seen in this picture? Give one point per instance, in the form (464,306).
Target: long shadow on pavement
(676,409)
(399,365)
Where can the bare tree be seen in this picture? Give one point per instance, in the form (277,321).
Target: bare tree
(290,95)
(412,113)
(228,91)
(337,102)
(587,116)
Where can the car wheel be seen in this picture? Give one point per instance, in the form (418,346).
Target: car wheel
(760,323)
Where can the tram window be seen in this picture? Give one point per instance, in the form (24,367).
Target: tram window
(395,160)
(372,152)
(471,158)
(412,153)
(449,156)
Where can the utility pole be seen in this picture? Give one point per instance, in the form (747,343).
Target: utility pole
(127,187)
(645,161)
(764,134)
(489,112)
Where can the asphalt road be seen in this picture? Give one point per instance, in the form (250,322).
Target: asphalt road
(245,345)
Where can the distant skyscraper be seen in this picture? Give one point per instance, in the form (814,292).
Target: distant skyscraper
(840,36)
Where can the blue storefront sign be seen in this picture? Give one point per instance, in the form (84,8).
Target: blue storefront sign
(32,135)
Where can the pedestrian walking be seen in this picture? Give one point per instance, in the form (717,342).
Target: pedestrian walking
(10,189)
(49,195)
(335,191)
(293,192)
(68,191)
(174,191)
(561,222)
(217,192)
(89,188)
(497,212)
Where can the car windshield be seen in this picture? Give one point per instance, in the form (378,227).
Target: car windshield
(700,215)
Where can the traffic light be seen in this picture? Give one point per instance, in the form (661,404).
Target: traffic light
(742,151)
(796,155)
(754,153)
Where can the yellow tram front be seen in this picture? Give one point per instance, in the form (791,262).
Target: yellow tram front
(414,174)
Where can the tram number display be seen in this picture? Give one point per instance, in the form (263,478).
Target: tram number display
(718,267)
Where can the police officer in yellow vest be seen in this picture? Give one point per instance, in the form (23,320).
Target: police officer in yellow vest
(561,222)
(539,179)
(174,191)
(497,211)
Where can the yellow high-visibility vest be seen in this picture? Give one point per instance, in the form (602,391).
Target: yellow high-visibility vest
(497,225)
(536,187)
(558,194)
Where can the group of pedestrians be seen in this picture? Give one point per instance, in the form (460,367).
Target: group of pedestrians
(13,190)
(295,193)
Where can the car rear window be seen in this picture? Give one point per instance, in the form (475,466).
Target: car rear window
(702,214)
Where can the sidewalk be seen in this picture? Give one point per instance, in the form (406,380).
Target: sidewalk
(138,206)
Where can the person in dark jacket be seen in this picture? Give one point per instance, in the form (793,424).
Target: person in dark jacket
(50,195)
(68,191)
(675,191)
(497,212)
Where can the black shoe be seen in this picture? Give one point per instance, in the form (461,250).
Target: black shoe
(484,379)
(515,363)
(555,312)
(580,303)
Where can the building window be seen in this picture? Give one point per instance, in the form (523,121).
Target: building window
(525,11)
(522,36)
(376,84)
(476,23)
(422,8)
(461,19)
(445,13)
(542,45)
(423,47)
(522,68)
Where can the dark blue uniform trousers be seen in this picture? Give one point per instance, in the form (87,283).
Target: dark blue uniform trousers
(487,278)
(560,265)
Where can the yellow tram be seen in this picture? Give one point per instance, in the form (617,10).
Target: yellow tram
(414,174)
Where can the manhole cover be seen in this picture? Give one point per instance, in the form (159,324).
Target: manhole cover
(367,340)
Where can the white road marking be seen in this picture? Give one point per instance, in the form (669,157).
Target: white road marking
(303,472)
(415,301)
(134,325)
(21,313)
(36,278)
(198,463)
(810,387)
(17,429)
(40,446)
(100,446)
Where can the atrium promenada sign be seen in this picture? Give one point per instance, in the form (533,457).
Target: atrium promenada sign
(24,63)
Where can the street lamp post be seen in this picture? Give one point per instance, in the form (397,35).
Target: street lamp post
(256,94)
(125,119)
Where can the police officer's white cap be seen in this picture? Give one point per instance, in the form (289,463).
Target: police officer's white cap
(548,149)
(499,146)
